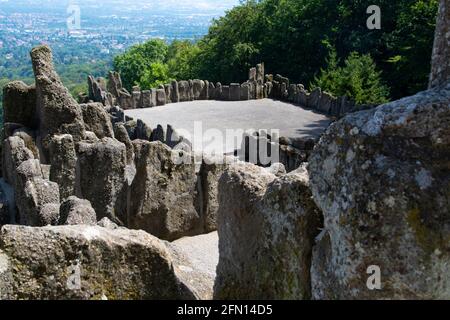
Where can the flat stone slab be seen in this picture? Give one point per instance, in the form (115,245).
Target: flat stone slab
(205,119)
(199,256)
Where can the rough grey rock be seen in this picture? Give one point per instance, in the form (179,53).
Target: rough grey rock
(191,90)
(146,99)
(225,93)
(184,91)
(245,91)
(314,98)
(29,138)
(91,136)
(74,211)
(210,172)
(172,137)
(33,192)
(163,192)
(14,152)
(19,104)
(49,214)
(159,134)
(97,120)
(175,92)
(143,131)
(45,171)
(121,135)
(259,90)
(91,262)
(198,87)
(116,113)
(381,178)
(107,224)
(136,99)
(168,90)
(252,74)
(218,91)
(326,103)
(125,100)
(97,90)
(205,92)
(58,112)
(235,92)
(131,127)
(63,160)
(260,72)
(440,62)
(160,97)
(104,185)
(197,258)
(115,84)
(277,169)
(267,227)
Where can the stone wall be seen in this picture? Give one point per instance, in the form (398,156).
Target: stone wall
(259,86)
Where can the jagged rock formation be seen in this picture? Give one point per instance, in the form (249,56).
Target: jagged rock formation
(163,191)
(97,120)
(102,177)
(58,112)
(68,167)
(19,104)
(75,211)
(92,262)
(381,178)
(207,200)
(63,165)
(267,227)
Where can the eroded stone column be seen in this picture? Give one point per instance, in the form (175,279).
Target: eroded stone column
(440,62)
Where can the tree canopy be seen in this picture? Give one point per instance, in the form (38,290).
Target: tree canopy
(294,38)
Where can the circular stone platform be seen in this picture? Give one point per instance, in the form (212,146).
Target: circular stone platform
(204,120)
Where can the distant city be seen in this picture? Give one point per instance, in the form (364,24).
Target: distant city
(107,27)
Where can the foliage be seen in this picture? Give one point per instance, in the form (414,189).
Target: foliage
(357,79)
(157,74)
(180,59)
(293,38)
(136,63)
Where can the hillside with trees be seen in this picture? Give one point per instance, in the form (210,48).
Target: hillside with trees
(296,38)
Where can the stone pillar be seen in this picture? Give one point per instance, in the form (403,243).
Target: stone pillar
(440,61)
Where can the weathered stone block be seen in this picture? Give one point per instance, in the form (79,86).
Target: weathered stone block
(381,178)
(163,192)
(104,185)
(19,104)
(267,227)
(235,92)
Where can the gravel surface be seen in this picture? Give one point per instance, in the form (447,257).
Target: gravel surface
(203,120)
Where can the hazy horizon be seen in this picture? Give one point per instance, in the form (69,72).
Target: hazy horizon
(122,6)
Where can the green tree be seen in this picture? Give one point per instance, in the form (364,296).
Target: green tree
(136,62)
(293,37)
(156,74)
(357,79)
(181,60)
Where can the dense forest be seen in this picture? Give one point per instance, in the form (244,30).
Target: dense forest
(314,42)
